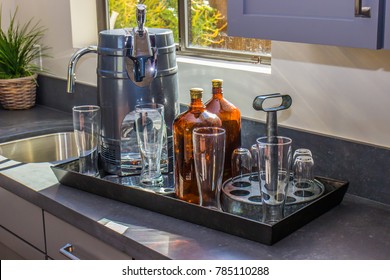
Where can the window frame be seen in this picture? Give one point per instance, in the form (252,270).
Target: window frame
(183,47)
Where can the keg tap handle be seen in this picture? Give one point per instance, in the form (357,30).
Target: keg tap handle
(141,18)
(141,63)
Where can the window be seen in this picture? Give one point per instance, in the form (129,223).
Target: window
(199,27)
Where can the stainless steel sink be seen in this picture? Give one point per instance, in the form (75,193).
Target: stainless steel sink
(45,148)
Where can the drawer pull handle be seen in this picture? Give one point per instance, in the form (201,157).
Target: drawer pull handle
(68,251)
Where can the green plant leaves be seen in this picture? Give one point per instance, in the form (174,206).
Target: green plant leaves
(19,47)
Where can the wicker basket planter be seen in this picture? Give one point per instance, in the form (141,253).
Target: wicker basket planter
(18,93)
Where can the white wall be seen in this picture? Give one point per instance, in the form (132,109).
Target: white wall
(6,6)
(343,92)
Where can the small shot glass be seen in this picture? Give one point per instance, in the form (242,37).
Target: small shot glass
(301,152)
(303,176)
(297,153)
(241,166)
(255,158)
(255,163)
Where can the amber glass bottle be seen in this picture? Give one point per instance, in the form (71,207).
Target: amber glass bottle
(184,170)
(230,116)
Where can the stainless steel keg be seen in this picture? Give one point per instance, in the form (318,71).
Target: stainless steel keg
(135,66)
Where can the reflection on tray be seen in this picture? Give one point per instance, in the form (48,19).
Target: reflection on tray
(166,188)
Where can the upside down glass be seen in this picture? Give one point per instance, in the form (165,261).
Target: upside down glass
(241,165)
(274,158)
(86,125)
(209,158)
(303,175)
(301,152)
(150,127)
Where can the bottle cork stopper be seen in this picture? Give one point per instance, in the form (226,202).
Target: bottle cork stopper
(196,93)
(217,82)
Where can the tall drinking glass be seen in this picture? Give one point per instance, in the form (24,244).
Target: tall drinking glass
(209,158)
(86,125)
(150,127)
(274,157)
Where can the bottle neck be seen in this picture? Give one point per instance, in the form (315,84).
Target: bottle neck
(196,103)
(217,92)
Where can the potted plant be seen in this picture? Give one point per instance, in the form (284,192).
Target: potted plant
(19,48)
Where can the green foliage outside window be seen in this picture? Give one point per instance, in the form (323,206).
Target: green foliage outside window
(206,21)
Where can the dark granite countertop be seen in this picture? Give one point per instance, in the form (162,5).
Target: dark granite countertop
(358,228)
(15,124)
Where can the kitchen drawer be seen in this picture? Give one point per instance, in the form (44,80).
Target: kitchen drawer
(83,246)
(22,218)
(17,248)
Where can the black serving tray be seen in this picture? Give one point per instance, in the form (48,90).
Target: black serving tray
(168,205)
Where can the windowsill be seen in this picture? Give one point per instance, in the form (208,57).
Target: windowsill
(257,68)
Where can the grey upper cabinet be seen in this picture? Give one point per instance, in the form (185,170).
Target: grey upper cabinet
(327,22)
